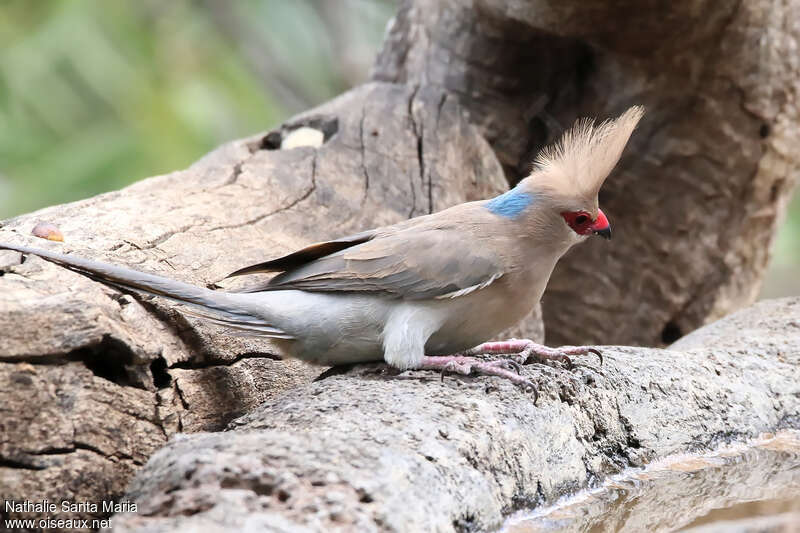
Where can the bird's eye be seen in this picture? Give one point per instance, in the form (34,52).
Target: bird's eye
(581,219)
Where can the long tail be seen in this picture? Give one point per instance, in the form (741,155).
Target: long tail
(229,310)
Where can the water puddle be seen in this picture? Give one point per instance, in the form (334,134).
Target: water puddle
(745,487)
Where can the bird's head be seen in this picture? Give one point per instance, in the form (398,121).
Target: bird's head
(567,177)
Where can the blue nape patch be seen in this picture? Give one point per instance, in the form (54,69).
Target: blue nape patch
(510,204)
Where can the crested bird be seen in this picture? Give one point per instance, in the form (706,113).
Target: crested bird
(428,292)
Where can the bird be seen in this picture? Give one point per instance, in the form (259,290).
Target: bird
(427,293)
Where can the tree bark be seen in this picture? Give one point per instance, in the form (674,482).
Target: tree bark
(705,180)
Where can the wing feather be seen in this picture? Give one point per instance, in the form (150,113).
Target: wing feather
(306,255)
(418,263)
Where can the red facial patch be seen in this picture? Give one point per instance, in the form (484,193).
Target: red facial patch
(580,221)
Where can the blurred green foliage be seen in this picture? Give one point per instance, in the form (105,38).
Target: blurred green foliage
(783,276)
(97,94)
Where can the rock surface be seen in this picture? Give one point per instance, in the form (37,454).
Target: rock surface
(364,451)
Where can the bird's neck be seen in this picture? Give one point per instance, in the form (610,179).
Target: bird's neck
(541,221)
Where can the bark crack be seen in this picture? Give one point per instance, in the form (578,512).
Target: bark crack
(188,365)
(35,460)
(184,404)
(238,168)
(161,239)
(8,462)
(290,205)
(363,149)
(414,129)
(235,173)
(418,129)
(113,405)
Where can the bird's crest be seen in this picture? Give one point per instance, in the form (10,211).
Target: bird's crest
(585,155)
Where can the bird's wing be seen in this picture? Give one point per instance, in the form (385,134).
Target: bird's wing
(306,255)
(413,263)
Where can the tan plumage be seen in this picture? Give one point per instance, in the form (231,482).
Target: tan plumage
(582,159)
(425,257)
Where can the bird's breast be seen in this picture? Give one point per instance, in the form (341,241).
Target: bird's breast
(483,314)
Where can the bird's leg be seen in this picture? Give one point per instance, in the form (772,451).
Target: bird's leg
(528,351)
(523,351)
(466,365)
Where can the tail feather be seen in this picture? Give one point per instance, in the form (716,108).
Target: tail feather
(241,325)
(220,308)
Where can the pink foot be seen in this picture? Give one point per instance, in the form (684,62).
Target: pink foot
(464,365)
(527,351)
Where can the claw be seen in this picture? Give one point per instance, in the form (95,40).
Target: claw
(530,387)
(568,362)
(446,369)
(598,353)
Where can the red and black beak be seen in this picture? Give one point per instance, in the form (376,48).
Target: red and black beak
(601,226)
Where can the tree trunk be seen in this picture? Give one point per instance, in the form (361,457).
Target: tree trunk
(705,180)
